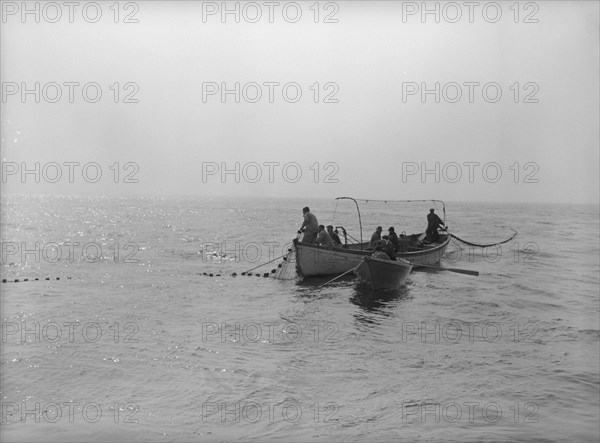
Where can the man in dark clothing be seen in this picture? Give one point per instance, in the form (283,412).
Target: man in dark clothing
(433,222)
(393,238)
(336,238)
(390,250)
(379,253)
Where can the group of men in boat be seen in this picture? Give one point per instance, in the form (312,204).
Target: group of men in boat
(314,233)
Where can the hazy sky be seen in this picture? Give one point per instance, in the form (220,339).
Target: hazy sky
(370,134)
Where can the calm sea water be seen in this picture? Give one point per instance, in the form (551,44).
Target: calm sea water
(139,345)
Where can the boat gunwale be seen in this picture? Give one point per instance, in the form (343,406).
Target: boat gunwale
(368,252)
(432,249)
(394,263)
(333,248)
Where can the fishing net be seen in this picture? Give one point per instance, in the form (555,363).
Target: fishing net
(286,270)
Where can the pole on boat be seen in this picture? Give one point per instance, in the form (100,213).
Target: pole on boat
(334,279)
(359,219)
(459,271)
(245,272)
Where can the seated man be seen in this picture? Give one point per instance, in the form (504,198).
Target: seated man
(379,253)
(390,250)
(336,238)
(376,236)
(323,238)
(393,237)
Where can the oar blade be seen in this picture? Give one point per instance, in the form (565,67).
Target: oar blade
(439,268)
(462,271)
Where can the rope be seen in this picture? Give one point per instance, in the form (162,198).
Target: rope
(356,240)
(485,246)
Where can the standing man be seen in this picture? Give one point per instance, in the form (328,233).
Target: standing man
(376,236)
(433,222)
(310,226)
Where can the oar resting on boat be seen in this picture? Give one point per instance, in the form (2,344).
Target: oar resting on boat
(439,268)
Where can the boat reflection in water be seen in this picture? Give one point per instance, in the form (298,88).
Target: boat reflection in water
(377,301)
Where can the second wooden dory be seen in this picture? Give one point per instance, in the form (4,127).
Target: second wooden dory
(383,273)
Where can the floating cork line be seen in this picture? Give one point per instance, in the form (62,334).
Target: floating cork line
(16,280)
(272,273)
(246,274)
(234,274)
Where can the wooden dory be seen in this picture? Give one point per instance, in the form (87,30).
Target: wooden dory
(382,273)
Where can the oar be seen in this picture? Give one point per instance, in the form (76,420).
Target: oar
(263,264)
(334,279)
(460,271)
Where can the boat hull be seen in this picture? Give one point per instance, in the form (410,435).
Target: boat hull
(313,260)
(422,255)
(383,274)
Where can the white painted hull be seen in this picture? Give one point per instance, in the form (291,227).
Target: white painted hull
(429,255)
(382,273)
(313,260)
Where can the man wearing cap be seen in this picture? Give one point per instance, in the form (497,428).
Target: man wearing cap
(433,222)
(376,236)
(310,226)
